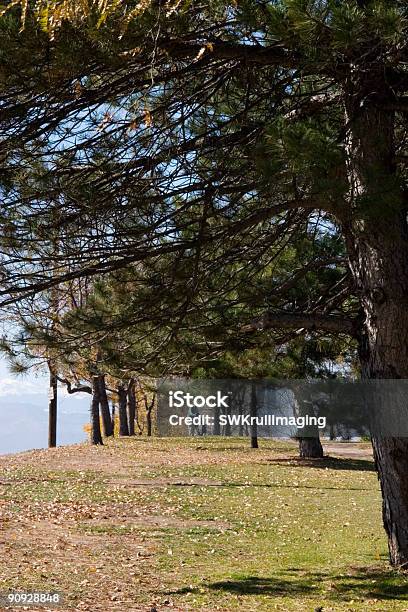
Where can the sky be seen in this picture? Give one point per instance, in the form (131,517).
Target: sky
(24,413)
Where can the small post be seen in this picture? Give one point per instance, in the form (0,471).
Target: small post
(52,409)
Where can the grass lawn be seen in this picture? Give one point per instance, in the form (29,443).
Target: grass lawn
(196,524)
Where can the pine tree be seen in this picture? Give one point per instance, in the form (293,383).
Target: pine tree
(232,119)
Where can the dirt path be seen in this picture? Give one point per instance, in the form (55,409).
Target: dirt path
(348,450)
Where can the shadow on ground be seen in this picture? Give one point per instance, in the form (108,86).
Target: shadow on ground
(332,463)
(247,485)
(296,582)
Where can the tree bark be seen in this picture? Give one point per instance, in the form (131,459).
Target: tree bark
(383,355)
(123,422)
(310,448)
(377,243)
(96,436)
(131,405)
(104,406)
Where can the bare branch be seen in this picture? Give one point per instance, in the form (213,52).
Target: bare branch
(71,390)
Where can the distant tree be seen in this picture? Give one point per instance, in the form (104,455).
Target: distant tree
(96,436)
(131,406)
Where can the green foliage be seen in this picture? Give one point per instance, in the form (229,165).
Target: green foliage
(306,150)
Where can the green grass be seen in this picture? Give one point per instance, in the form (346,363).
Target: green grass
(240,529)
(298,536)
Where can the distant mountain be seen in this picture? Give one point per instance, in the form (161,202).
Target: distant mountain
(24,419)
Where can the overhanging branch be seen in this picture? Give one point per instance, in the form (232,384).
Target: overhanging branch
(274,55)
(332,324)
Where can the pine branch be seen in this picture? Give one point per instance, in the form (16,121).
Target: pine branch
(333,324)
(273,55)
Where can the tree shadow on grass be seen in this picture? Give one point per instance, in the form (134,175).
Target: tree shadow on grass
(292,583)
(369,584)
(255,585)
(246,485)
(331,463)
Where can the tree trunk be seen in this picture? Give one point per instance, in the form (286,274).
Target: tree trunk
(227,430)
(131,405)
(241,425)
(52,408)
(149,422)
(113,418)
(391,458)
(377,244)
(123,423)
(384,356)
(310,448)
(253,411)
(216,426)
(96,436)
(104,405)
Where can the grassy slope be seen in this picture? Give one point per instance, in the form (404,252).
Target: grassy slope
(195,524)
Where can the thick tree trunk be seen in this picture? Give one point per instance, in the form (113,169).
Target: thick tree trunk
(96,436)
(377,241)
(52,408)
(104,405)
(382,361)
(310,448)
(123,422)
(391,458)
(384,356)
(131,408)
